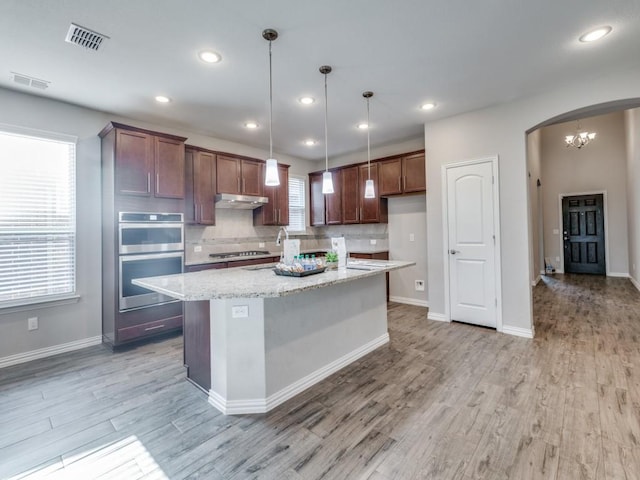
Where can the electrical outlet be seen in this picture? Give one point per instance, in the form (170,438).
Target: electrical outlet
(412,237)
(261,245)
(373,241)
(419,285)
(240,311)
(197,248)
(32,323)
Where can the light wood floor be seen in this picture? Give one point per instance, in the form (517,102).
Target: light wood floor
(442,401)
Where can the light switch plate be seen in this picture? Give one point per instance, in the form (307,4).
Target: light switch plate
(197,248)
(261,245)
(240,311)
(412,237)
(373,241)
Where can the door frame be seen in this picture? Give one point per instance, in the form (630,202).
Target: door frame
(560,268)
(496,226)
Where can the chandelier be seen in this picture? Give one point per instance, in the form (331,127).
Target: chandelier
(580,139)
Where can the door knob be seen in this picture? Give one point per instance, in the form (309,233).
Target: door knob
(453,252)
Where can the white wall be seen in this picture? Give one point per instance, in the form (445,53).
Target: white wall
(500,130)
(534,174)
(75,323)
(408,215)
(632,133)
(601,165)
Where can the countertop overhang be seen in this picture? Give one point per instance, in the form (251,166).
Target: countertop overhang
(240,282)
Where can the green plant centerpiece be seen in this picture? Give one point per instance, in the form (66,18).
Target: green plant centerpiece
(331,260)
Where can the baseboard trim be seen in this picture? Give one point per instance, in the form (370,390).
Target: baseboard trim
(263,405)
(536,281)
(438,317)
(635,282)
(50,351)
(517,331)
(618,274)
(409,301)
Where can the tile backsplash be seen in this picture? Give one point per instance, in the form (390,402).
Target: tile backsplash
(234,231)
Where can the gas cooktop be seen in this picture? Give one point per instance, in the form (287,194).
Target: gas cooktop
(244,253)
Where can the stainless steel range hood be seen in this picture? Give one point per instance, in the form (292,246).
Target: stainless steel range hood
(239,202)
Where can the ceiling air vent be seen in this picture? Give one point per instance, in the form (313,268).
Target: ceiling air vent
(28,81)
(84,37)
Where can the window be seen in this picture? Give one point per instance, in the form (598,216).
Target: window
(37,216)
(297,189)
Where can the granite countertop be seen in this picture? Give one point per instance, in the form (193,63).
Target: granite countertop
(276,254)
(244,282)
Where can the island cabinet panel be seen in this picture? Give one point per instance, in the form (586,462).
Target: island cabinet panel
(404,174)
(414,174)
(238,175)
(372,210)
(169,168)
(200,181)
(390,176)
(325,209)
(276,212)
(197,350)
(350,193)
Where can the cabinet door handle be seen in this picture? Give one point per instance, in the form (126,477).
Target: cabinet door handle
(148,182)
(153,328)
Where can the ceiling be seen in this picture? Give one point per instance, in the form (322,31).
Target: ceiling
(463,55)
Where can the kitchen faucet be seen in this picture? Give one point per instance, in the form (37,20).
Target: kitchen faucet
(279,237)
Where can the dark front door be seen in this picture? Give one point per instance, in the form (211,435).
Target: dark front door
(583,233)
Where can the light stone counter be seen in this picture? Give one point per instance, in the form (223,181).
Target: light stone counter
(258,281)
(254,339)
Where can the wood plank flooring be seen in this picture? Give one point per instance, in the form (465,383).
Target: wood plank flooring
(441,401)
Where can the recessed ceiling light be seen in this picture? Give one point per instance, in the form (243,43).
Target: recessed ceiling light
(307,100)
(428,106)
(251,125)
(162,99)
(310,142)
(209,56)
(596,34)
(363,126)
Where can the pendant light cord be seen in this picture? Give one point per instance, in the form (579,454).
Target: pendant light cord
(326,134)
(368,141)
(270,105)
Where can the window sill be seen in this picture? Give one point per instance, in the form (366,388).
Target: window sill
(37,304)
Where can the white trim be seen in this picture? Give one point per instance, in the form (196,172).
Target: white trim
(38,303)
(50,351)
(409,301)
(34,132)
(517,331)
(496,227)
(635,282)
(536,281)
(560,268)
(618,274)
(438,317)
(263,405)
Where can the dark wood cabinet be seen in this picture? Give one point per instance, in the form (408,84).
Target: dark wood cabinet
(372,210)
(350,194)
(276,212)
(200,181)
(402,174)
(147,163)
(325,209)
(238,175)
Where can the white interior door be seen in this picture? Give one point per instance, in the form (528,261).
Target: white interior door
(471,248)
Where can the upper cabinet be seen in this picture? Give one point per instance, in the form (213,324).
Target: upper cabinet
(325,209)
(200,181)
(276,212)
(402,174)
(146,163)
(350,189)
(372,210)
(239,176)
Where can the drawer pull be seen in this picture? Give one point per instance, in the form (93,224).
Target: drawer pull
(153,328)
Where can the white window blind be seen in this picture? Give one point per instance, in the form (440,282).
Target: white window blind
(296,204)
(37,217)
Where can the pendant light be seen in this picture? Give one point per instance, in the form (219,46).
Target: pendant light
(327,181)
(369,191)
(271,178)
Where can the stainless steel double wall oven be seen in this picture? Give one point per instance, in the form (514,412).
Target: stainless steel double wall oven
(149,244)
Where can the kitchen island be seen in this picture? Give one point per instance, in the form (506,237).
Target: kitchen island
(270,337)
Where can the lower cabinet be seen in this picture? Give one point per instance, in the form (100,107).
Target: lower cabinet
(139,324)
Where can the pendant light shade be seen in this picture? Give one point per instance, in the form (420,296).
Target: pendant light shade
(327,181)
(271,178)
(369,190)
